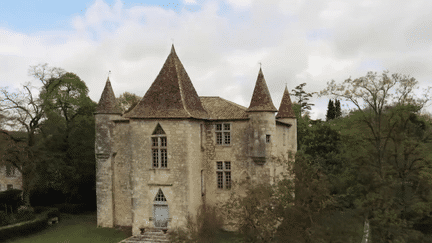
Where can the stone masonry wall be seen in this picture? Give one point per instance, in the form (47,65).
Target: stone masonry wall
(178,181)
(15,181)
(104,167)
(121,186)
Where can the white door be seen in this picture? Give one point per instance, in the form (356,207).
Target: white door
(160,216)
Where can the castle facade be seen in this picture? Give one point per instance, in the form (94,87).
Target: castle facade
(175,150)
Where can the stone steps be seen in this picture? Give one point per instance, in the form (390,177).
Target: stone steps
(149,236)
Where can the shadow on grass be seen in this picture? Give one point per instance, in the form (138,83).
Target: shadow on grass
(74,228)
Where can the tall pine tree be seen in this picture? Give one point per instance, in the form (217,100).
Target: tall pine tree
(330,111)
(338,111)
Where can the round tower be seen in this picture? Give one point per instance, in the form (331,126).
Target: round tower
(286,115)
(262,124)
(106,111)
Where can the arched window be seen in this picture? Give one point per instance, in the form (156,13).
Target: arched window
(159,148)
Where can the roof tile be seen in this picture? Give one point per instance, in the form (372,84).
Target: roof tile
(107,103)
(261,99)
(172,94)
(285,109)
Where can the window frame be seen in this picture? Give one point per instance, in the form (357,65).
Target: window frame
(161,149)
(224,173)
(222,133)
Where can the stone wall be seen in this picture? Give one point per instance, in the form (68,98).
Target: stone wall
(15,181)
(104,168)
(178,181)
(121,186)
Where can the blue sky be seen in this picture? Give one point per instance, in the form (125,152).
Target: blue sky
(220,42)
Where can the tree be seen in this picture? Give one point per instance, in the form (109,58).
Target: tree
(391,160)
(338,110)
(302,98)
(331,112)
(69,135)
(24,111)
(127,101)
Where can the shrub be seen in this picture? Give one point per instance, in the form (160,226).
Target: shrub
(208,222)
(4,218)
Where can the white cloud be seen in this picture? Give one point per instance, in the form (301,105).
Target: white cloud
(296,41)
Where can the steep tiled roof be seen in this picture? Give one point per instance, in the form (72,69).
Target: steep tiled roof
(221,109)
(261,99)
(171,95)
(285,108)
(107,103)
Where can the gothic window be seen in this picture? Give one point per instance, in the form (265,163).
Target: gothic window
(223,173)
(223,133)
(10,170)
(160,197)
(159,148)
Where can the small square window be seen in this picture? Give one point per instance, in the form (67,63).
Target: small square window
(226,127)
(219,166)
(227,165)
(223,175)
(154,142)
(223,134)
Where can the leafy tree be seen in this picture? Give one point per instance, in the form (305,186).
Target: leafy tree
(389,151)
(331,111)
(302,98)
(254,213)
(69,135)
(127,101)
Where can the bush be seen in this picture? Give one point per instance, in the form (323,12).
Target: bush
(39,223)
(208,222)
(4,218)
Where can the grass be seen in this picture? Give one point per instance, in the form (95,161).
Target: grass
(83,228)
(73,228)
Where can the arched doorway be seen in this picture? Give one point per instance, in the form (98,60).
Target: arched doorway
(160,210)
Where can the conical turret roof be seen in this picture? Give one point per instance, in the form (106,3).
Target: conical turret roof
(171,95)
(285,108)
(261,99)
(107,103)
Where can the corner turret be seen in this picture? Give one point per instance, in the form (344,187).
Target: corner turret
(286,115)
(262,124)
(106,111)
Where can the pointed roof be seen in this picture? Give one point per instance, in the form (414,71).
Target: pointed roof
(285,108)
(107,103)
(171,95)
(261,99)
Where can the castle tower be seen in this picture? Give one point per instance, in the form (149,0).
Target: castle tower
(166,157)
(286,115)
(106,111)
(262,122)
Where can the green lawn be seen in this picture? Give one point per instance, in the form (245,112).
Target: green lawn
(73,228)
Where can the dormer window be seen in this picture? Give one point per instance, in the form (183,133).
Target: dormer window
(159,148)
(223,133)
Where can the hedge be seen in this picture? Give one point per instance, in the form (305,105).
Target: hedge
(40,223)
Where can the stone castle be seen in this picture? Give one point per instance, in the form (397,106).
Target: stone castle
(175,150)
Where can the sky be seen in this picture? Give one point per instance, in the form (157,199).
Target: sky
(220,43)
